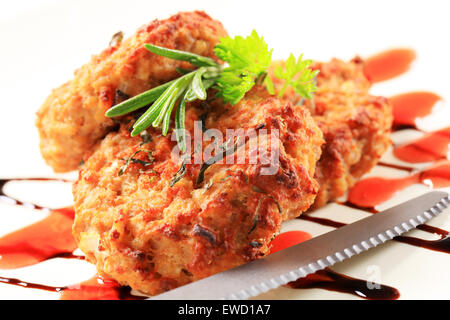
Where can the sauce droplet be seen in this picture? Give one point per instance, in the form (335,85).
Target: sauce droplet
(388,64)
(288,239)
(431,147)
(45,239)
(438,174)
(407,107)
(440,245)
(369,192)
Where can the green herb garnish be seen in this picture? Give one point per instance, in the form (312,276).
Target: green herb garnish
(298,75)
(224,151)
(134,160)
(189,87)
(247,60)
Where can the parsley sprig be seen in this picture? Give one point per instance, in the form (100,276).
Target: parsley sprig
(298,75)
(247,60)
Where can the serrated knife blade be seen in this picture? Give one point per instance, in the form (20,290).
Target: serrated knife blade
(318,253)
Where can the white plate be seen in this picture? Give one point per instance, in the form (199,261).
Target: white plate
(43,42)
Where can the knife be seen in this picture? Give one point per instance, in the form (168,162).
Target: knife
(298,261)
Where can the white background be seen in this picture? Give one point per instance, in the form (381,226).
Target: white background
(43,42)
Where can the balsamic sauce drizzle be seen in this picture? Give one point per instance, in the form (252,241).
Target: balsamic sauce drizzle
(79,292)
(395,166)
(330,280)
(441,245)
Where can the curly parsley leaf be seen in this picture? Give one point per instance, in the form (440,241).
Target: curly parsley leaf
(248,59)
(297,74)
(232,87)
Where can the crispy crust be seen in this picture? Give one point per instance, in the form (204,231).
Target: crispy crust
(71,120)
(144,233)
(301,144)
(355,125)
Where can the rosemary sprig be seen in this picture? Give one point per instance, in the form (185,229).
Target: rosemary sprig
(192,85)
(138,101)
(192,58)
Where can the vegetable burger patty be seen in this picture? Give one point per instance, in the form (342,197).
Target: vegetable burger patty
(145,229)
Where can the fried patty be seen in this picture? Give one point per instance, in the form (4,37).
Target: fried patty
(71,120)
(355,124)
(143,230)
(153,221)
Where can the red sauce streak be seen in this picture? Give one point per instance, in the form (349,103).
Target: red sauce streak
(46,239)
(322,221)
(98,288)
(288,239)
(388,64)
(408,107)
(431,147)
(438,174)
(369,192)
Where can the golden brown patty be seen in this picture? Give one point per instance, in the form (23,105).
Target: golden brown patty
(71,120)
(143,232)
(356,126)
